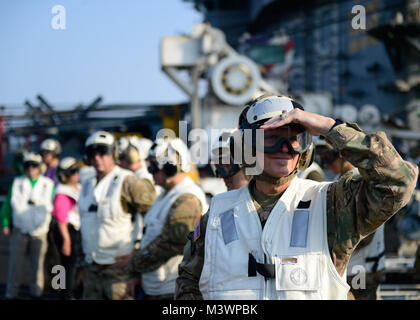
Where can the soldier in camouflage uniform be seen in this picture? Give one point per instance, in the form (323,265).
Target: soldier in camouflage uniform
(108,203)
(168,223)
(355,206)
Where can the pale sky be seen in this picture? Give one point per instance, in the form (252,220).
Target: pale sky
(109,48)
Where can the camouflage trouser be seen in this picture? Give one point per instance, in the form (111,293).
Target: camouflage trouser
(104,282)
(373,280)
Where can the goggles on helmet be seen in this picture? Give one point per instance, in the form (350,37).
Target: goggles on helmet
(296,138)
(30,164)
(71,171)
(45,152)
(98,149)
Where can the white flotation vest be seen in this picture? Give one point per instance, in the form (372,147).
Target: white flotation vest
(293,245)
(69,191)
(370,257)
(143,173)
(162,280)
(35,218)
(107,231)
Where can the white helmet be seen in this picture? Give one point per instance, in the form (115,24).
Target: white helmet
(169,155)
(51,145)
(67,167)
(143,145)
(122,144)
(103,142)
(32,157)
(100,137)
(257,113)
(268,107)
(67,162)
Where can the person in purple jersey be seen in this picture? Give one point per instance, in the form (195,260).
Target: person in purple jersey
(50,152)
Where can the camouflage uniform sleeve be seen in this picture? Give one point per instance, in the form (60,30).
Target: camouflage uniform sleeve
(358,205)
(137,195)
(189,270)
(180,222)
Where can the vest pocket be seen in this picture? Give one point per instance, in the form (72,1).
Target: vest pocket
(298,277)
(105,211)
(228,225)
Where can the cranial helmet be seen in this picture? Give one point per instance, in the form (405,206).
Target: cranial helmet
(67,167)
(32,157)
(260,110)
(170,155)
(102,142)
(52,146)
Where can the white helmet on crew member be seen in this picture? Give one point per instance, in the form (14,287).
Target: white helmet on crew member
(32,157)
(170,155)
(51,145)
(101,142)
(265,108)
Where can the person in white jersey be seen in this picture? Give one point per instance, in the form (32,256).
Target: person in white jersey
(31,202)
(281,237)
(108,204)
(168,222)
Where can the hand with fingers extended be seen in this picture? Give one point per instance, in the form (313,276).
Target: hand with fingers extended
(313,123)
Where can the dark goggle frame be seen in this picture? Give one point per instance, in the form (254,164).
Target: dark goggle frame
(45,152)
(32,164)
(100,149)
(70,171)
(304,138)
